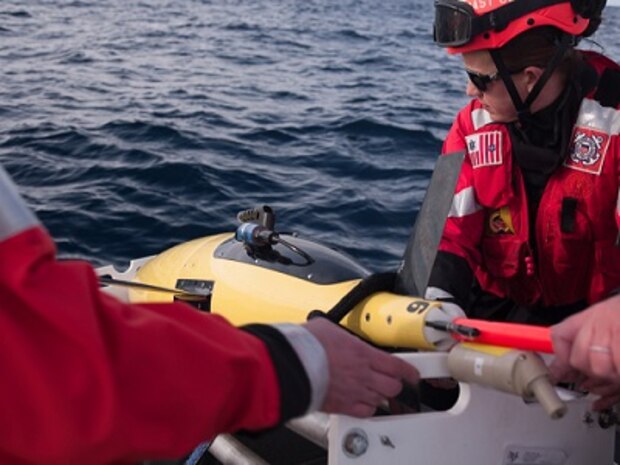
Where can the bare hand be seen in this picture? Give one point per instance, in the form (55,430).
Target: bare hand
(589,342)
(360,376)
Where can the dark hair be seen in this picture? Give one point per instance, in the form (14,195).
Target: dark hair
(592,10)
(595,22)
(537,47)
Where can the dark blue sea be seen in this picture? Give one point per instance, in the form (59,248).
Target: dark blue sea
(133,125)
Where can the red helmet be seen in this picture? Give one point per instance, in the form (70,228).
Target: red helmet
(467,25)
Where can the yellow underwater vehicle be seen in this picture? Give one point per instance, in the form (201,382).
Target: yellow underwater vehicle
(506,412)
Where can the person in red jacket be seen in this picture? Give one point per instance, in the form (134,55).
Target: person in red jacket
(532,234)
(87,379)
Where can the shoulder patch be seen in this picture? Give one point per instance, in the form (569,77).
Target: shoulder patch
(485,149)
(587,150)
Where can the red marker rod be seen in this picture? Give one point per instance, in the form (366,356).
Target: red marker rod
(517,336)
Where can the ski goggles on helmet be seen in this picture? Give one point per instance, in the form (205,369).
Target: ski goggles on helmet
(457,23)
(454,23)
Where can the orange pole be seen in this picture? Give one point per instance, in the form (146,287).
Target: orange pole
(518,336)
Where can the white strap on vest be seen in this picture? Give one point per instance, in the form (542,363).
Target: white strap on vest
(15,216)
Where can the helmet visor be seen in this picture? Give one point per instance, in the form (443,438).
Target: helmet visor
(453,23)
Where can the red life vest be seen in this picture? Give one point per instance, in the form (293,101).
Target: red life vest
(576,227)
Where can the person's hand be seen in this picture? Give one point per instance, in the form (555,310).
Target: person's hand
(360,376)
(589,343)
(587,348)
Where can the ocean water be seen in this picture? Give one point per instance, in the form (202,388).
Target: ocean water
(133,125)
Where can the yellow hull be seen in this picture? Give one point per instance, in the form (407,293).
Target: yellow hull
(247,292)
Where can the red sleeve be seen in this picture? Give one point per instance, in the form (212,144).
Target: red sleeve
(89,379)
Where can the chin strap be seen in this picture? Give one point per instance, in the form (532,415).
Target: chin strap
(566,41)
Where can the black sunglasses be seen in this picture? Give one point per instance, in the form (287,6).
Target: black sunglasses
(481,81)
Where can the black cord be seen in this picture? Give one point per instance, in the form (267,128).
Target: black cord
(378,282)
(293,248)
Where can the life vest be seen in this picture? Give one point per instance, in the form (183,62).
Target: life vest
(575,257)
